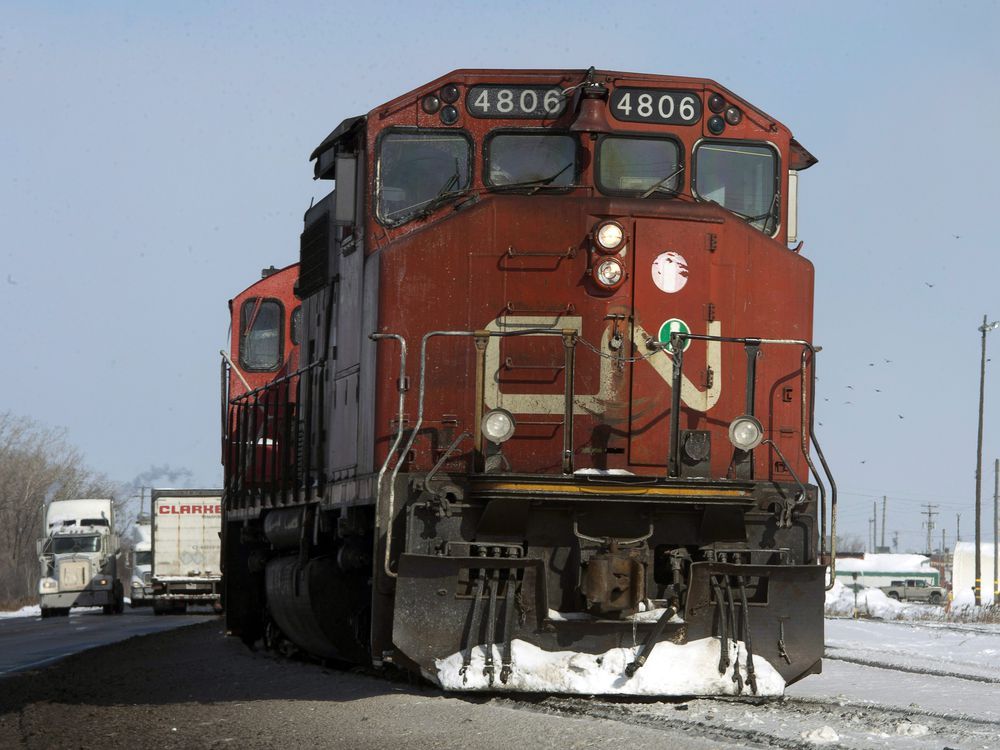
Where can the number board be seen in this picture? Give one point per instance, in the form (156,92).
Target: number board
(515,101)
(656,105)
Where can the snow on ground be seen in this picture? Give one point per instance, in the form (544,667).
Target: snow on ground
(937,667)
(31,610)
(936,648)
(672,669)
(840,600)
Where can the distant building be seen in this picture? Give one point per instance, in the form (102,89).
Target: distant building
(876,570)
(964,570)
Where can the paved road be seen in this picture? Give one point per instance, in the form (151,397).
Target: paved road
(29,642)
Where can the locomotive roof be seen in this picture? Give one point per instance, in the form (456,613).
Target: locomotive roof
(801,158)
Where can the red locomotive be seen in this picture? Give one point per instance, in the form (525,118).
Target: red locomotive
(554,399)
(266,319)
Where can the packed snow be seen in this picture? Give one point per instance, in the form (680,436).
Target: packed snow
(672,669)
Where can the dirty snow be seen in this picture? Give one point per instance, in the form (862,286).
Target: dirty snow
(32,610)
(822,736)
(672,669)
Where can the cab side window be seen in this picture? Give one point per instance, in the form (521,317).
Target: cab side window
(260,334)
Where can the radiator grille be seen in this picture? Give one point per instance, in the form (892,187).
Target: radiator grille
(74,576)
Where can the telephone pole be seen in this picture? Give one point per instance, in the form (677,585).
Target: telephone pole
(983,329)
(958,525)
(930,513)
(943,550)
(874,525)
(996,530)
(883,522)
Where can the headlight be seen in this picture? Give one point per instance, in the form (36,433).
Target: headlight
(745,432)
(137,584)
(609,237)
(733,115)
(498,425)
(48,584)
(609,273)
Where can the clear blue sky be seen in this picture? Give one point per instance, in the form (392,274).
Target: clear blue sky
(153,157)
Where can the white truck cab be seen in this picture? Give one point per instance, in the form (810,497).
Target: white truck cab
(79,558)
(141,588)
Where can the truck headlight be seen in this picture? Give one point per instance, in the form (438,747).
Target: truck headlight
(48,584)
(137,584)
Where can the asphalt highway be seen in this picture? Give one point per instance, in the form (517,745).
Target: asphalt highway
(31,642)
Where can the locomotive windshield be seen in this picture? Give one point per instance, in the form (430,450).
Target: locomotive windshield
(416,168)
(64,545)
(260,334)
(532,159)
(634,166)
(740,177)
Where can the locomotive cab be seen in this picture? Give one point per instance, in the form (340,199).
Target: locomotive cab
(556,395)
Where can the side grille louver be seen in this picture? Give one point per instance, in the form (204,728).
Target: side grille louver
(314,256)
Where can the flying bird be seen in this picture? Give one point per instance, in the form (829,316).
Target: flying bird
(927,283)
(851,387)
(900,416)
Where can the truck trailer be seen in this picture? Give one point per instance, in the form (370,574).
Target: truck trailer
(187,550)
(79,558)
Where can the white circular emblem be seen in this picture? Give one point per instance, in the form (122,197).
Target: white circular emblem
(670,272)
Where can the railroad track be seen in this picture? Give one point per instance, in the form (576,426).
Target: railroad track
(784,722)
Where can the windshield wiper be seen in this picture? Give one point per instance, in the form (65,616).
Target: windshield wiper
(657,186)
(768,215)
(444,194)
(535,185)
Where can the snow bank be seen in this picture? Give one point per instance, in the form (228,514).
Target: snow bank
(871,602)
(32,610)
(672,669)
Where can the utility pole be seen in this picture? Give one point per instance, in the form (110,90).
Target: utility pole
(930,513)
(996,530)
(883,522)
(958,525)
(874,526)
(983,329)
(943,550)
(870,544)
(895,541)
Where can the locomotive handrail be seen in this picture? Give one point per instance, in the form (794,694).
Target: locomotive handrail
(277,381)
(807,417)
(420,412)
(395,445)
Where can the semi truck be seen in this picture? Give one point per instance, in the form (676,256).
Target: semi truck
(141,589)
(187,549)
(79,558)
